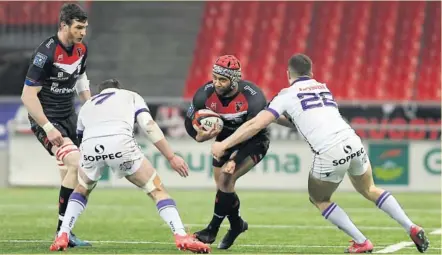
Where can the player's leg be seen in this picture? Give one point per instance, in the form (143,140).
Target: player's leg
(69,154)
(324,179)
(360,174)
(226,171)
(77,204)
(145,176)
(66,171)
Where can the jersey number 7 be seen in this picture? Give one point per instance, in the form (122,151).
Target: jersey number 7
(311,100)
(101,97)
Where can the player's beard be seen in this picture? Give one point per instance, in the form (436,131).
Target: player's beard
(223,91)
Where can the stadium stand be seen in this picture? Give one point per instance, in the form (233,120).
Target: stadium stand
(382,50)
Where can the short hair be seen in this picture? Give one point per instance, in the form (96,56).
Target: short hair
(300,64)
(70,12)
(111,83)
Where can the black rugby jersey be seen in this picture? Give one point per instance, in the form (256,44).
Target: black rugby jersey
(234,110)
(56,68)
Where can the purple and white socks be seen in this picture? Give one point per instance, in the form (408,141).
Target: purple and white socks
(339,218)
(169,213)
(77,204)
(387,203)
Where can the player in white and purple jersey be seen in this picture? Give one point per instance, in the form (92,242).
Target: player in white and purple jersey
(105,129)
(337,150)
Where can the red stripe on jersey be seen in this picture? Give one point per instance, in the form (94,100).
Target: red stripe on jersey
(62,57)
(238,104)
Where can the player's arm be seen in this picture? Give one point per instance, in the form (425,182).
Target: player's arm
(198,103)
(156,136)
(284,121)
(32,86)
(82,88)
(257,123)
(80,125)
(151,128)
(82,84)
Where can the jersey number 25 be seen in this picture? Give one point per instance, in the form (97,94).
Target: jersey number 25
(311,100)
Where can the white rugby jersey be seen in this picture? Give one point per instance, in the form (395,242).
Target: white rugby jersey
(112,112)
(310,106)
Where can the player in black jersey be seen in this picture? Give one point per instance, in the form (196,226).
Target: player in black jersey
(56,72)
(236,101)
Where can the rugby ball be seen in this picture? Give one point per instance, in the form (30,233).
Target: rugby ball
(206,119)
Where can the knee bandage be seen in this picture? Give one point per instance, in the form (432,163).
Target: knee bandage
(65,150)
(152,184)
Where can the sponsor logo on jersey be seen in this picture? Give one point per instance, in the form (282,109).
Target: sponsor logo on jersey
(350,155)
(99,149)
(252,91)
(56,90)
(48,45)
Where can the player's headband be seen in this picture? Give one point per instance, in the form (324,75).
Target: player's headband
(233,75)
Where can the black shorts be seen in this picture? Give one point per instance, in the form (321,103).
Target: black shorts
(256,148)
(67,128)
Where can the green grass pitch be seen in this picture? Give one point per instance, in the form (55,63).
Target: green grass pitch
(125,221)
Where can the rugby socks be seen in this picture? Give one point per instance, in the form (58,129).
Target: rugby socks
(65,193)
(223,203)
(169,213)
(234,215)
(77,204)
(387,203)
(339,218)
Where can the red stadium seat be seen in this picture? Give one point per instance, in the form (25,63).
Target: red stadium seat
(363,50)
(31,12)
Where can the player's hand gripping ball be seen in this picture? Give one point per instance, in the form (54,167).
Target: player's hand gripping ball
(206,120)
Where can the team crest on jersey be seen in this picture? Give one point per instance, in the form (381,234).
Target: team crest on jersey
(80,52)
(238,106)
(213,106)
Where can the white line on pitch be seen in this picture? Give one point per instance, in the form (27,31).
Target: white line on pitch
(436,232)
(402,245)
(395,247)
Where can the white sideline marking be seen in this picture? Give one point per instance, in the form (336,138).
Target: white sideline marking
(167,243)
(395,247)
(402,245)
(436,232)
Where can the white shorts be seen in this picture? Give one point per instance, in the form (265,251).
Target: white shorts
(347,156)
(119,152)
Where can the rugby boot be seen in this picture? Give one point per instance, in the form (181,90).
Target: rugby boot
(60,243)
(419,238)
(190,243)
(365,247)
(74,241)
(232,234)
(207,235)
